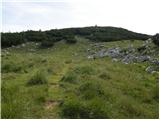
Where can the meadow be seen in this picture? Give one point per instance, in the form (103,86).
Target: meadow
(61,82)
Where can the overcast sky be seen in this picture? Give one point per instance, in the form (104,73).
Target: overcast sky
(136,15)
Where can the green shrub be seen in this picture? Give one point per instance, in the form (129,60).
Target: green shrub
(90,90)
(156,39)
(68,61)
(11,67)
(70,39)
(129,107)
(104,76)
(50,70)
(74,108)
(46,44)
(70,77)
(38,78)
(95,109)
(84,70)
(71,109)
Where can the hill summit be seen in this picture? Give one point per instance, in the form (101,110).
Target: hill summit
(49,37)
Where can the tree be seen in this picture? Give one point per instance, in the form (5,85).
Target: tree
(70,39)
(46,43)
(155,39)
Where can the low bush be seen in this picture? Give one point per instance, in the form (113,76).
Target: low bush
(75,109)
(70,39)
(129,107)
(84,70)
(105,76)
(156,39)
(71,109)
(70,77)
(11,67)
(38,78)
(68,61)
(95,109)
(46,44)
(90,90)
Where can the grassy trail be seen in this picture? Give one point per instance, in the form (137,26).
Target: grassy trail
(54,93)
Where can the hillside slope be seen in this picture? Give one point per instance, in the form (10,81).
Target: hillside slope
(77,86)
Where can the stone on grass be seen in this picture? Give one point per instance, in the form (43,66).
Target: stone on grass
(114,60)
(150,69)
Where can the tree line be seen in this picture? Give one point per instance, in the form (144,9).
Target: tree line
(95,33)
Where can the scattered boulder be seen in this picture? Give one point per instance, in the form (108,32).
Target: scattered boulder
(23,45)
(75,54)
(90,57)
(18,46)
(150,69)
(114,60)
(143,58)
(7,53)
(145,53)
(155,61)
(114,52)
(32,50)
(129,59)
(37,44)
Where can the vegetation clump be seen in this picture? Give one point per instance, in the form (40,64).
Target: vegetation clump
(46,44)
(70,39)
(84,70)
(75,109)
(70,77)
(11,67)
(37,79)
(90,90)
(156,39)
(104,76)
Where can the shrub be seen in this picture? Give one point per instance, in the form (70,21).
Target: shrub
(9,39)
(90,90)
(11,67)
(68,61)
(73,109)
(70,77)
(46,44)
(70,39)
(50,70)
(95,109)
(38,78)
(104,76)
(85,70)
(129,107)
(156,39)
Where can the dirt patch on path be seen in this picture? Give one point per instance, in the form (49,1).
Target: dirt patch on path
(51,103)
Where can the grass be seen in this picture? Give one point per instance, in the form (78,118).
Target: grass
(76,86)
(37,79)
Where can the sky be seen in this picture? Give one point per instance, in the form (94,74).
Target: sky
(137,15)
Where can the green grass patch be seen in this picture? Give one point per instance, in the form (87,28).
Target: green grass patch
(38,78)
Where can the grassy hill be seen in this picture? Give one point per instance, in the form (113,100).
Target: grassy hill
(61,82)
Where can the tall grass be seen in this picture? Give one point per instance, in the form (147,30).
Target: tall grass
(38,78)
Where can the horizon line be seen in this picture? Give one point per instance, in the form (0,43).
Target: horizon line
(70,28)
